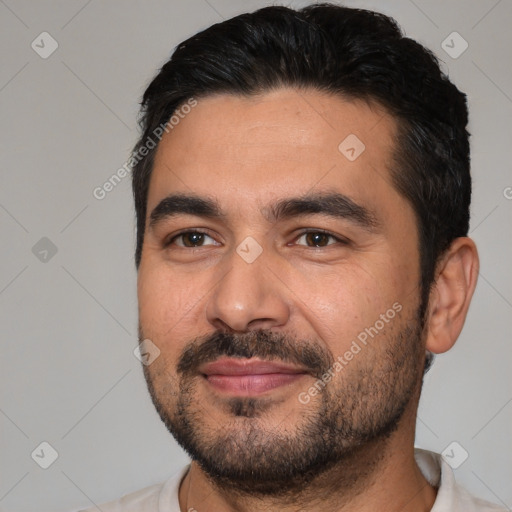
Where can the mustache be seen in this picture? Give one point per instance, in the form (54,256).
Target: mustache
(266,345)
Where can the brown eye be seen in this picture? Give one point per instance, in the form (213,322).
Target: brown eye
(316,239)
(192,239)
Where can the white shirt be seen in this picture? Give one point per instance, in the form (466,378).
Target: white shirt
(450,496)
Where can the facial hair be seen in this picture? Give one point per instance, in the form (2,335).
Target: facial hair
(246,454)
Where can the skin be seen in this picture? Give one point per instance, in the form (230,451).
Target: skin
(247,153)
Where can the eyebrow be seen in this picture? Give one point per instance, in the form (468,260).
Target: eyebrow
(179,204)
(331,204)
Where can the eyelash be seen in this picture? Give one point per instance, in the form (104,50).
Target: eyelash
(187,232)
(321,232)
(299,235)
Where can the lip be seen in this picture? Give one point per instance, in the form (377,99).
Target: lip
(249,377)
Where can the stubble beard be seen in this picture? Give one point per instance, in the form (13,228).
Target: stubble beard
(342,430)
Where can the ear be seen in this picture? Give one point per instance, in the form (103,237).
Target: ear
(451,293)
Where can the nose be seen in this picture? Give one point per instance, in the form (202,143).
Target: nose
(250,296)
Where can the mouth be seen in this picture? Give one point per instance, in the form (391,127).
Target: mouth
(249,377)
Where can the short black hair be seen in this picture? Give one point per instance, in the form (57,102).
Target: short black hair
(357,54)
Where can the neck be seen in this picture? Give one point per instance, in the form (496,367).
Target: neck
(382,475)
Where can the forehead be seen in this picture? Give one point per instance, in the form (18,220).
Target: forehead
(242,150)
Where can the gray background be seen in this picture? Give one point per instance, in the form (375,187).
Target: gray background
(68,320)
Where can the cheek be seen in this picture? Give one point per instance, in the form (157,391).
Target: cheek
(163,299)
(335,303)
(341,303)
(171,307)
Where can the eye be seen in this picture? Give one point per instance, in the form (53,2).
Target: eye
(317,239)
(191,239)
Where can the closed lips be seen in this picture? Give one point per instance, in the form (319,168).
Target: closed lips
(232,366)
(249,377)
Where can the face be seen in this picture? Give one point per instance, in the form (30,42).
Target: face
(279,280)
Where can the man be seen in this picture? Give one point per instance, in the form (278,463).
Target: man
(301,254)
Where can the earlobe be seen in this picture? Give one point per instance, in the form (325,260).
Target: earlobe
(456,277)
